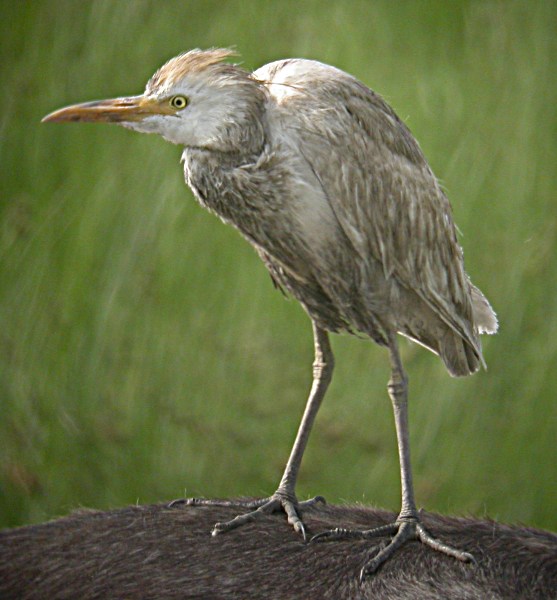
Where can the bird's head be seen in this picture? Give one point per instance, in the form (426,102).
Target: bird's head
(195,100)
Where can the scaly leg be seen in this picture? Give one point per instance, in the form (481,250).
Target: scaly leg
(408,525)
(285,496)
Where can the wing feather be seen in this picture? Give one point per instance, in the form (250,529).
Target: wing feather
(378,183)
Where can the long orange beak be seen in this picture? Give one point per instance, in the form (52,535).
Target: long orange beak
(116,110)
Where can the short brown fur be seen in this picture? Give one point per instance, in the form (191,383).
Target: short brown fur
(156,552)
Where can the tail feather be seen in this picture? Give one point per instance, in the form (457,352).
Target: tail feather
(455,338)
(464,357)
(460,357)
(485,319)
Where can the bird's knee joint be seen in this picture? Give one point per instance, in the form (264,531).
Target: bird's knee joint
(323,368)
(398,387)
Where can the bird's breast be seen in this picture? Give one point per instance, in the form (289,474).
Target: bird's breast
(273,201)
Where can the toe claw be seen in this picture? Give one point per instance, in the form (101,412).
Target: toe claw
(370,568)
(299,528)
(470,558)
(319,537)
(316,500)
(367,570)
(332,534)
(218,528)
(174,503)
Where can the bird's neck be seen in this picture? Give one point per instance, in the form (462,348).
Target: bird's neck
(242,188)
(213,175)
(218,162)
(238,129)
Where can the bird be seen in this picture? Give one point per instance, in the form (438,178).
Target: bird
(319,174)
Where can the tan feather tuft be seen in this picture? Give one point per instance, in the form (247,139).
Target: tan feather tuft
(192,62)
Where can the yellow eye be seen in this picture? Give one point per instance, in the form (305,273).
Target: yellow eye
(178,102)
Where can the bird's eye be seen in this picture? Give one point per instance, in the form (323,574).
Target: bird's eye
(178,102)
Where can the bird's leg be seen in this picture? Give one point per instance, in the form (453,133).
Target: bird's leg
(407,526)
(398,392)
(285,497)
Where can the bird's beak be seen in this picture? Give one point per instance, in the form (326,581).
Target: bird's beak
(116,110)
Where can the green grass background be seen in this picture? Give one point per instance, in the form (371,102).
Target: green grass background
(144,353)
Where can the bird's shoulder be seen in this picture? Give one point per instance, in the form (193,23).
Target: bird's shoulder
(321,100)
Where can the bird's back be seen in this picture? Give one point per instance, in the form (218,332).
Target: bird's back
(396,264)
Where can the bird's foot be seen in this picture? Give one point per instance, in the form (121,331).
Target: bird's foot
(279,501)
(403,530)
